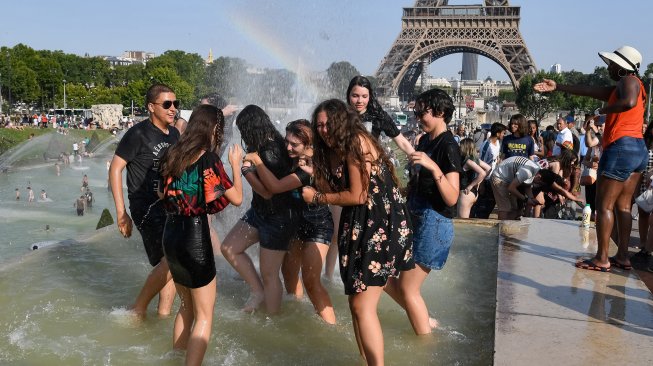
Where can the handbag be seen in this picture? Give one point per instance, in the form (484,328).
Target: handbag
(645,200)
(587,176)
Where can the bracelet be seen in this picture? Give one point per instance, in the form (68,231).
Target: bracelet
(317,198)
(244,170)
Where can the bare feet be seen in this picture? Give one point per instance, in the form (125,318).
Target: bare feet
(433,323)
(253,302)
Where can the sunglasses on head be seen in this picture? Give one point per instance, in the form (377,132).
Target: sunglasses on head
(169,103)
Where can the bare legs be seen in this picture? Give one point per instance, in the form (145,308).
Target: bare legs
(332,254)
(465,203)
(270,264)
(241,237)
(215,240)
(159,281)
(613,198)
(367,327)
(290,268)
(406,291)
(313,255)
(194,320)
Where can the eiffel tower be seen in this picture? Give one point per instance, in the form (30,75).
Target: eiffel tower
(433,29)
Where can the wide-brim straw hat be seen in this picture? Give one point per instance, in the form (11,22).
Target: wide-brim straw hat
(628,58)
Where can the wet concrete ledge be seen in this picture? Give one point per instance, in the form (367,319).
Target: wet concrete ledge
(551,313)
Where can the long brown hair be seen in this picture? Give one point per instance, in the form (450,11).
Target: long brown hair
(345,129)
(204,132)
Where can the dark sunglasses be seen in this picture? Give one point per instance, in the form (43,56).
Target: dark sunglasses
(168,103)
(420,113)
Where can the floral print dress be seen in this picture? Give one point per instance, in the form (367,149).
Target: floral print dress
(376,238)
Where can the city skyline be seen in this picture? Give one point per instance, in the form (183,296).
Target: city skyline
(312,35)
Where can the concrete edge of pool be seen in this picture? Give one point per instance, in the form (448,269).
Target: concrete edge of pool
(551,313)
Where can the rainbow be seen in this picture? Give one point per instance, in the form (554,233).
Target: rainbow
(271,45)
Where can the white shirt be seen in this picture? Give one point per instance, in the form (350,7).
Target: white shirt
(491,154)
(564,135)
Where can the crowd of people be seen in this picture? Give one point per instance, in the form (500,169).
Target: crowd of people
(328,189)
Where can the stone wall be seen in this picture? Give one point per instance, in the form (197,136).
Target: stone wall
(107,115)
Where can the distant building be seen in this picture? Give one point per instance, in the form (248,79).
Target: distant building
(470,66)
(141,56)
(556,68)
(431,82)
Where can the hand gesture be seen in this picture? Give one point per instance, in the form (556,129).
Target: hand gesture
(254,158)
(125,225)
(421,158)
(229,109)
(545,85)
(235,155)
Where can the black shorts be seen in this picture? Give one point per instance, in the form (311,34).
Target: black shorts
(150,225)
(316,225)
(274,231)
(187,246)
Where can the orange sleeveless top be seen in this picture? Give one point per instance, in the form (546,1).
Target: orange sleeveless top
(628,123)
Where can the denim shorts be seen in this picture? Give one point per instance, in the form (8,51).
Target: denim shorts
(432,235)
(274,231)
(623,157)
(316,225)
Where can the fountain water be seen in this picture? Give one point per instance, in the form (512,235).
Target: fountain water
(68,297)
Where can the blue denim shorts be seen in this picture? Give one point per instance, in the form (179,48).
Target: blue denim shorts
(432,235)
(316,225)
(623,157)
(274,231)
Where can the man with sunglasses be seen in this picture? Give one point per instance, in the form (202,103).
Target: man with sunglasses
(140,151)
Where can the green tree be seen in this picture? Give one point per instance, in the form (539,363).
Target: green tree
(227,76)
(190,67)
(507,95)
(338,76)
(168,76)
(536,105)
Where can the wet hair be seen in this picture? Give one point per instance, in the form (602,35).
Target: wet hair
(204,132)
(438,101)
(302,129)
(256,128)
(522,124)
(154,91)
(215,99)
(497,128)
(468,148)
(345,129)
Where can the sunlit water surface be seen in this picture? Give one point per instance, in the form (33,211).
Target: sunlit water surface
(65,303)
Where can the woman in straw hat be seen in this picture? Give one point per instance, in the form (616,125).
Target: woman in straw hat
(624,152)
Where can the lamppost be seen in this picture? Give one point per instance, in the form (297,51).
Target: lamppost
(460,94)
(648,109)
(1,93)
(64,98)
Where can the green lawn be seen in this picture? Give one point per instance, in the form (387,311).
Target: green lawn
(10,137)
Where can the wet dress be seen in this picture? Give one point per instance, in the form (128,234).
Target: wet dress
(186,237)
(376,238)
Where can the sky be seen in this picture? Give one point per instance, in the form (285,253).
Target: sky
(312,34)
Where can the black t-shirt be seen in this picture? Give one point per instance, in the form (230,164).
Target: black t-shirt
(142,148)
(277,161)
(445,152)
(548,178)
(381,122)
